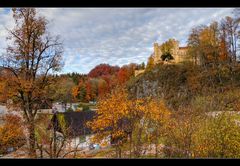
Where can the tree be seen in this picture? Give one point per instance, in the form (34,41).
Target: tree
(88,91)
(61,90)
(168,46)
(11,133)
(167,56)
(31,56)
(215,43)
(125,73)
(148,120)
(194,44)
(219,137)
(51,143)
(102,88)
(111,110)
(79,91)
(103,70)
(230,27)
(121,118)
(182,133)
(143,65)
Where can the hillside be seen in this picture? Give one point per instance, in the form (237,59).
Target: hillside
(180,84)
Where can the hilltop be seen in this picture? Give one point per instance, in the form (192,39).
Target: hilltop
(180,84)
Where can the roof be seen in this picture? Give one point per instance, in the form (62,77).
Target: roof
(75,122)
(181,48)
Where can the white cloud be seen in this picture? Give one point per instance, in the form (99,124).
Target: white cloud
(117,36)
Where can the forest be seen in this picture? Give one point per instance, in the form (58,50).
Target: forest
(176,110)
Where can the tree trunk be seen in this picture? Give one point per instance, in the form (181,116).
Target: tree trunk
(54,141)
(156,150)
(119,152)
(116,151)
(41,152)
(130,153)
(32,150)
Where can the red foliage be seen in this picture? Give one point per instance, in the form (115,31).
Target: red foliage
(102,79)
(103,70)
(125,73)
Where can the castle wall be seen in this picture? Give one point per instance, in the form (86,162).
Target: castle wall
(137,72)
(179,53)
(157,53)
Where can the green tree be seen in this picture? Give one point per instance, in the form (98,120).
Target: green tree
(61,90)
(168,46)
(143,65)
(166,56)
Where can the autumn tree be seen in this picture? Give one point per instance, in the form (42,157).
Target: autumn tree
(148,118)
(132,122)
(230,28)
(61,90)
(218,136)
(31,55)
(193,44)
(79,91)
(102,88)
(125,73)
(11,132)
(182,133)
(215,43)
(110,111)
(103,70)
(88,91)
(168,46)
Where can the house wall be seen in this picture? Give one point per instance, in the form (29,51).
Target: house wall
(45,111)
(88,141)
(3,110)
(61,107)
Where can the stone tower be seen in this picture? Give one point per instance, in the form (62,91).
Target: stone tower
(157,53)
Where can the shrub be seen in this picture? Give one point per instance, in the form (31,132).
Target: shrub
(167,56)
(70,110)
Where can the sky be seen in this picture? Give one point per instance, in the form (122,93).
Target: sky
(116,36)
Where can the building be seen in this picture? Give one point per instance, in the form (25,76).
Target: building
(179,54)
(78,131)
(75,126)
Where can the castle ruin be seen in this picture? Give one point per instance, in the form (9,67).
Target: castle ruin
(179,54)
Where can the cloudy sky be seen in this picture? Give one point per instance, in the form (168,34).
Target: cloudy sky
(116,36)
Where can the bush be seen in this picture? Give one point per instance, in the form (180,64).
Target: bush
(85,107)
(166,56)
(70,110)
